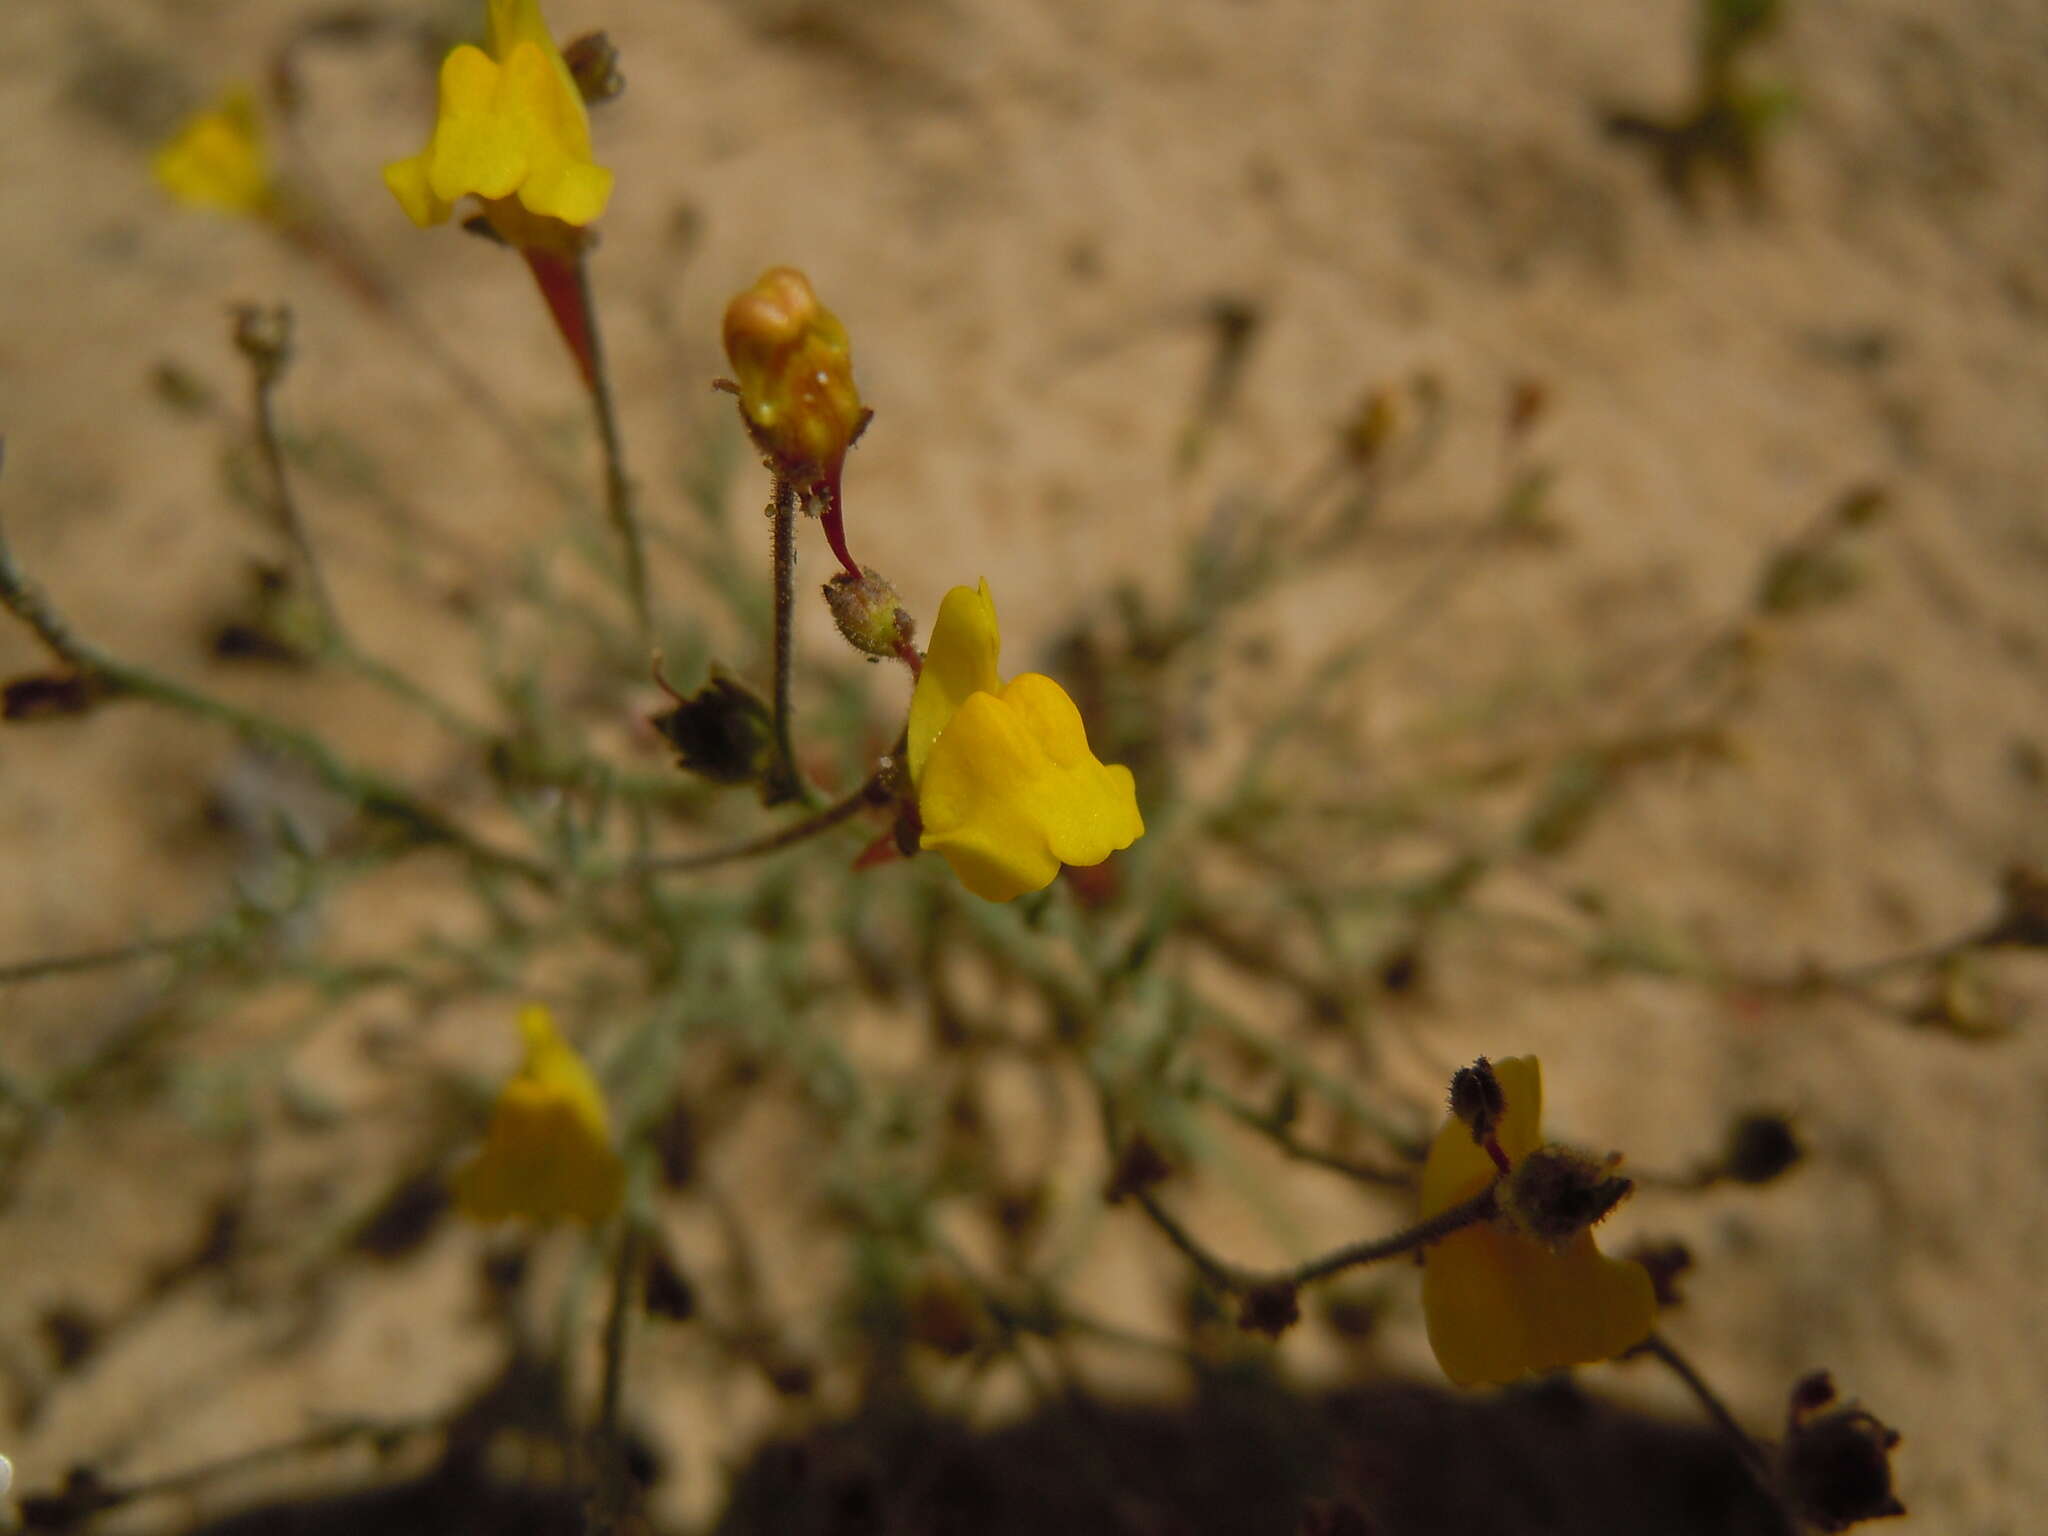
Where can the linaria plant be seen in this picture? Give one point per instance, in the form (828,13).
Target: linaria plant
(1050,888)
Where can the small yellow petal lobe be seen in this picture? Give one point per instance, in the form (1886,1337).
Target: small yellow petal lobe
(548,1155)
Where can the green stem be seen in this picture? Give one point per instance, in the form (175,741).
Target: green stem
(265,339)
(103,959)
(371,791)
(618,489)
(872,792)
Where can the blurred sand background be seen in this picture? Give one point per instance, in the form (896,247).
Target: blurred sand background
(1021,210)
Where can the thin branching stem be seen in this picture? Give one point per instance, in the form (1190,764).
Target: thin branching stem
(1282,1136)
(370,791)
(782,512)
(872,792)
(265,339)
(612,1492)
(1239,1280)
(618,487)
(1662,1349)
(106,959)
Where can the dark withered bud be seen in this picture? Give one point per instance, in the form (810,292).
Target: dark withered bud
(1019,1213)
(669,1293)
(1371,428)
(1835,1465)
(869,613)
(50,696)
(1667,1263)
(676,1148)
(264,337)
(943,1317)
(1139,1168)
(1528,399)
(2022,921)
(1554,1193)
(1477,1099)
(723,732)
(1862,505)
(1404,970)
(1270,1309)
(593,61)
(1810,1393)
(1761,1147)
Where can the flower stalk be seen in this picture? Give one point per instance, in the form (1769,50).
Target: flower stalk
(782,510)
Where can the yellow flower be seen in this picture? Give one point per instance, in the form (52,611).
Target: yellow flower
(1007,789)
(512,130)
(548,1154)
(795,375)
(218,159)
(1501,1304)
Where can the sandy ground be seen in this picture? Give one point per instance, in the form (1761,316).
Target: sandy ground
(1021,212)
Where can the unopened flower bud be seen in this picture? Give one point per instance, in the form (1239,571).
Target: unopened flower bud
(793,365)
(2022,923)
(1139,1168)
(869,613)
(1477,1099)
(1554,1193)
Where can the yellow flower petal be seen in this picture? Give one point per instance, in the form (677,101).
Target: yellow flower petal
(218,159)
(560,182)
(1458,1167)
(480,141)
(960,662)
(1011,792)
(548,1155)
(408,182)
(1499,1304)
(512,22)
(1091,808)
(1007,788)
(985,786)
(510,124)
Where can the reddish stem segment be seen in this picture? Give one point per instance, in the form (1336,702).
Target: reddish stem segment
(561,286)
(835,526)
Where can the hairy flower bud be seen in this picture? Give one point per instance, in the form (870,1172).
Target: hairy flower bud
(1476,1098)
(1554,1193)
(869,613)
